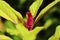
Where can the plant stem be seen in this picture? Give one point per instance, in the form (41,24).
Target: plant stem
(1,25)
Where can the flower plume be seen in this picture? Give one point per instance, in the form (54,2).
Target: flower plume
(29,23)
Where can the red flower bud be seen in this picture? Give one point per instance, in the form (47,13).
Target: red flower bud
(29,23)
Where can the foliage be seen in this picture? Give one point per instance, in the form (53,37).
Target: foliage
(14,24)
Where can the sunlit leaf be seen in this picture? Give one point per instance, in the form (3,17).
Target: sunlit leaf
(53,38)
(2,14)
(35,6)
(57,0)
(24,33)
(21,28)
(8,12)
(56,36)
(57,32)
(32,34)
(3,37)
(36,30)
(43,11)
(15,12)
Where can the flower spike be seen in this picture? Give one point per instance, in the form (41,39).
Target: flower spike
(29,23)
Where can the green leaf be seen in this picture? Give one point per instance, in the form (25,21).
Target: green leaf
(21,28)
(53,38)
(2,14)
(43,11)
(48,23)
(57,0)
(12,31)
(36,30)
(8,12)
(33,33)
(21,1)
(9,24)
(16,37)
(35,6)
(10,28)
(15,12)
(26,34)
(57,32)
(56,36)
(3,37)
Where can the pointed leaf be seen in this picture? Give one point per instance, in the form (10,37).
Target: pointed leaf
(8,12)
(43,11)
(2,14)
(32,34)
(36,30)
(35,6)
(3,37)
(56,36)
(15,12)
(57,32)
(53,38)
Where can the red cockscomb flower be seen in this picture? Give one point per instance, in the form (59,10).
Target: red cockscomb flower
(29,23)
